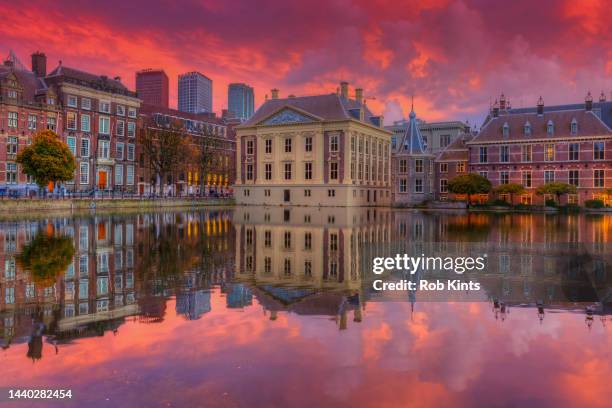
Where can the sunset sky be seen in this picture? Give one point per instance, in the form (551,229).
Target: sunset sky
(455,56)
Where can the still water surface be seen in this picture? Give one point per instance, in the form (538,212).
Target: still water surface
(271,307)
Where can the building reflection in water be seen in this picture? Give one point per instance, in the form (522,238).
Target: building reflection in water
(306,261)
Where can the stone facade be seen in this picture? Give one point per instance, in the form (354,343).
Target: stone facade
(324,150)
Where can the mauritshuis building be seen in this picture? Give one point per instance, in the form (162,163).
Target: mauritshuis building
(314,150)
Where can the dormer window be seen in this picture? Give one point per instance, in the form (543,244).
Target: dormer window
(72,101)
(550,128)
(506,130)
(574,126)
(12,94)
(527,129)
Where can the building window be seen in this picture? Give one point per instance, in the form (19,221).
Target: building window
(461,167)
(443,185)
(484,174)
(71,120)
(119,174)
(72,101)
(85,103)
(268,146)
(287,145)
(131,152)
(103,149)
(549,176)
(403,186)
(130,175)
(308,171)
(483,157)
(120,147)
(527,179)
(504,177)
(527,129)
(71,142)
(32,122)
(549,152)
(418,185)
(445,140)
(418,165)
(333,171)
(104,107)
(598,150)
(574,126)
(250,147)
(331,193)
(120,110)
(526,153)
(333,143)
(104,127)
(550,128)
(506,130)
(267,193)
(11,173)
(84,173)
(574,177)
(403,166)
(249,172)
(287,240)
(288,170)
(51,123)
(307,193)
(268,171)
(574,151)
(120,128)
(85,123)
(131,112)
(11,145)
(598,178)
(12,119)
(504,154)
(84,147)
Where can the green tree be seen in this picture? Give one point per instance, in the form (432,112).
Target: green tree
(469,184)
(511,189)
(47,159)
(557,189)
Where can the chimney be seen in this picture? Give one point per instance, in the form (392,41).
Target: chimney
(39,64)
(602,97)
(502,102)
(495,110)
(588,102)
(359,95)
(274,93)
(117,78)
(344,89)
(540,106)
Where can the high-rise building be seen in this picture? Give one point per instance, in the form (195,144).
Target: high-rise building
(152,87)
(194,93)
(241,100)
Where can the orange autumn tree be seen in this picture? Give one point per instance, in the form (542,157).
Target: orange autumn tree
(47,159)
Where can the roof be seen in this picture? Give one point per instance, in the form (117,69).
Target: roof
(412,141)
(588,124)
(147,109)
(457,150)
(90,80)
(602,109)
(32,85)
(327,107)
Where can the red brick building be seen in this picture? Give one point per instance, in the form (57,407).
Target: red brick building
(450,163)
(152,86)
(27,106)
(532,148)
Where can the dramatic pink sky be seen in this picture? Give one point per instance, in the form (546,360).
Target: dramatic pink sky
(453,55)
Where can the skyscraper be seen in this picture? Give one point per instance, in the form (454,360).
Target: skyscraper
(194,93)
(241,100)
(152,87)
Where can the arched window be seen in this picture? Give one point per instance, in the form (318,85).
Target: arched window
(506,130)
(574,126)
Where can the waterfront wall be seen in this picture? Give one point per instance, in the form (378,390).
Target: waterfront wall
(25,205)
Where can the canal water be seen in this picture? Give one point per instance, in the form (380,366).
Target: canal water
(271,307)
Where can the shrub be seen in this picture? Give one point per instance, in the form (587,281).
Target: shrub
(550,203)
(595,203)
(499,202)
